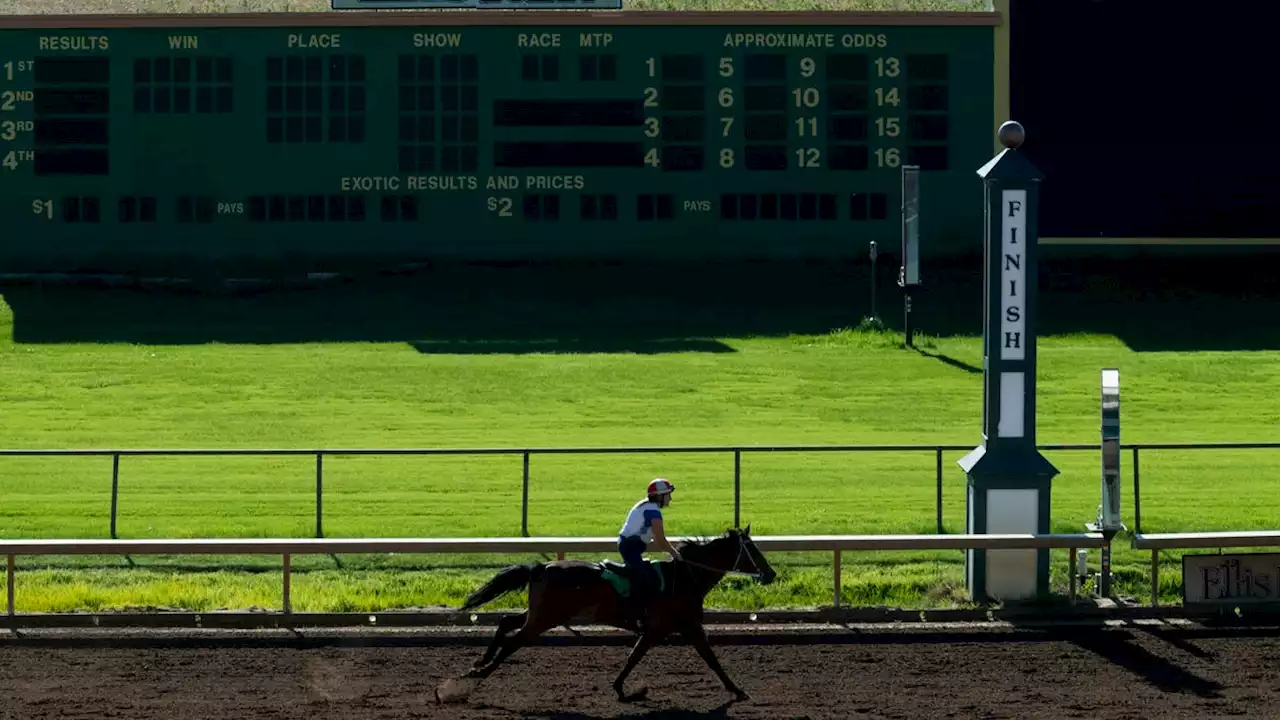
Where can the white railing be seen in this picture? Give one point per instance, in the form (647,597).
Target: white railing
(287,547)
(1155,542)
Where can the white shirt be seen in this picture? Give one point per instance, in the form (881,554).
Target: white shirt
(640,520)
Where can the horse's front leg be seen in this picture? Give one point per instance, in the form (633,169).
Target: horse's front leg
(697,636)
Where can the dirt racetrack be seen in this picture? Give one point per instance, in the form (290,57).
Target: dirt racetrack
(1158,672)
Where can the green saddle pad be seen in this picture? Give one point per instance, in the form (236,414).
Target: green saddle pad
(623,585)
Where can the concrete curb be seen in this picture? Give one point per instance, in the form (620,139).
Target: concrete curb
(791,634)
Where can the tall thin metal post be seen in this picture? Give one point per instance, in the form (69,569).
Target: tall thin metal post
(1109,523)
(906,318)
(524,499)
(319,495)
(115,490)
(909,270)
(737,488)
(1137,495)
(874,254)
(938,474)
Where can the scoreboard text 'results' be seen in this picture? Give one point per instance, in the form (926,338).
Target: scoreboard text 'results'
(490,136)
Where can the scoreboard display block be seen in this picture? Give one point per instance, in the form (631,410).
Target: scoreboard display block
(503,135)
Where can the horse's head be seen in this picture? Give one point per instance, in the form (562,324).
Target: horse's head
(747,557)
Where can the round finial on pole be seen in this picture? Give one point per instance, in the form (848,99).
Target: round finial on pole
(1011,134)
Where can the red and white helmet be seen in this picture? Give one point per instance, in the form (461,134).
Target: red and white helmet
(660,486)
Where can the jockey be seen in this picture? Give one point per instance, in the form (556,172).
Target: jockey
(643,526)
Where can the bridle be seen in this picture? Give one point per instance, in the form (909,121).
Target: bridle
(742,550)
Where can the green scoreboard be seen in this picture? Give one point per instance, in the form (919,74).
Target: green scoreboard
(137,141)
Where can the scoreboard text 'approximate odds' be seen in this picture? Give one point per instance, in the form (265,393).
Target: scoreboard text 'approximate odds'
(528,135)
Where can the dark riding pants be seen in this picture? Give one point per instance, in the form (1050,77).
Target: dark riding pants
(632,549)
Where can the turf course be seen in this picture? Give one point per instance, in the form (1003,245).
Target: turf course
(767,363)
(119,368)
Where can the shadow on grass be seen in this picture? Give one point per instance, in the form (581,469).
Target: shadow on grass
(1194,303)
(950,361)
(463,309)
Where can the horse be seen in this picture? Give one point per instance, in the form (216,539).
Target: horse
(592,593)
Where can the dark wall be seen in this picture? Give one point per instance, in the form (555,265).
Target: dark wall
(1150,118)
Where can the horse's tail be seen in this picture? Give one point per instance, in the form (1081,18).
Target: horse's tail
(510,579)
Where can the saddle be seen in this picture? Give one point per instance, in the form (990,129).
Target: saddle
(619,575)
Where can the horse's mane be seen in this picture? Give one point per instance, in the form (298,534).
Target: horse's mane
(700,542)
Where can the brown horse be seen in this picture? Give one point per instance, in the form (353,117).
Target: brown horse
(584,593)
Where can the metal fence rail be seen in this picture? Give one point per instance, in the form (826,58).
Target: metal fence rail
(737,451)
(1155,542)
(288,547)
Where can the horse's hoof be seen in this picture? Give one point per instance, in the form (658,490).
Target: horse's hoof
(636,696)
(454,690)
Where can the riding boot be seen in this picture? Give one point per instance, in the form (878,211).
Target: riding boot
(645,599)
(640,605)
(640,610)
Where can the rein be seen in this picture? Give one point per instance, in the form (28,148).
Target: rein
(742,550)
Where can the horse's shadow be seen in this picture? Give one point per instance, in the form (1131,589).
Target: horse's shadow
(718,712)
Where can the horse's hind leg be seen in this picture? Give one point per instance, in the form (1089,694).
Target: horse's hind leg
(507,625)
(641,647)
(509,645)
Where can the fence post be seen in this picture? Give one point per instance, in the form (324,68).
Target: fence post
(1071,572)
(115,490)
(1155,577)
(9,581)
(737,488)
(835,567)
(288,601)
(524,498)
(319,495)
(938,472)
(1137,495)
